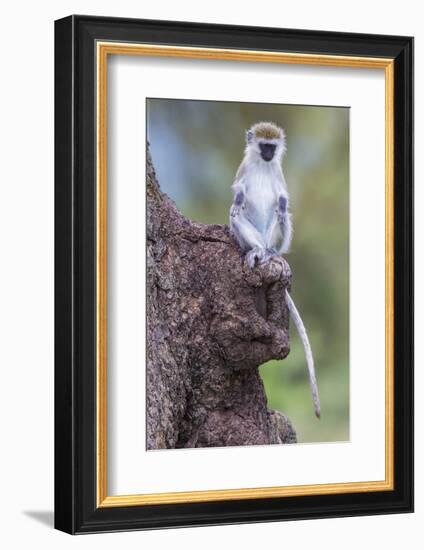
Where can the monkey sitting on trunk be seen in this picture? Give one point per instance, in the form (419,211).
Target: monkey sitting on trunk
(259,217)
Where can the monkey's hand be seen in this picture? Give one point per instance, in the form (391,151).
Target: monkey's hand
(237,204)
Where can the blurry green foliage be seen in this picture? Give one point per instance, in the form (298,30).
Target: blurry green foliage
(196,148)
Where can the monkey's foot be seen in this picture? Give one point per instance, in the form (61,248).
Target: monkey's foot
(260,256)
(253,256)
(268,253)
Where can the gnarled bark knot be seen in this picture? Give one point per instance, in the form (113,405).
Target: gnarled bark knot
(211,322)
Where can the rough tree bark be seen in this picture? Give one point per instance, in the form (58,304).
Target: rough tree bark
(211,322)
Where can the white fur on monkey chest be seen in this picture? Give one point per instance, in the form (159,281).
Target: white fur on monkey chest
(262,200)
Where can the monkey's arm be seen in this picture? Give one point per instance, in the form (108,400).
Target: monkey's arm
(239,189)
(238,201)
(285,223)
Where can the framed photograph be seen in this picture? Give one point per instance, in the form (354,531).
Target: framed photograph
(234,274)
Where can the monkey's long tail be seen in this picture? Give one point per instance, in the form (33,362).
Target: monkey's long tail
(308,352)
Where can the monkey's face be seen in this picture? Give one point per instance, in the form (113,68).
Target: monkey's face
(266,141)
(267,150)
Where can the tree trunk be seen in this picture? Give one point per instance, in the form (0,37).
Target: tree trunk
(211,322)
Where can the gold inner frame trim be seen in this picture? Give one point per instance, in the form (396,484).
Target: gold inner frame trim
(103,49)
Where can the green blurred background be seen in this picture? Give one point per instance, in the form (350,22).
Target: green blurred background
(196,148)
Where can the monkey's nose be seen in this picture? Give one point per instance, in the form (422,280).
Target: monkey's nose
(267,151)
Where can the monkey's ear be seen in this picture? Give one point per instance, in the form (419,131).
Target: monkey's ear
(249,136)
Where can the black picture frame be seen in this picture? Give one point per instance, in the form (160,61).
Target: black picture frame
(76,510)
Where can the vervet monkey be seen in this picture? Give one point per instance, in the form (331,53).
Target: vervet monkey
(259,216)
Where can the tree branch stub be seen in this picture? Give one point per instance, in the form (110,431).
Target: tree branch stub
(211,322)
